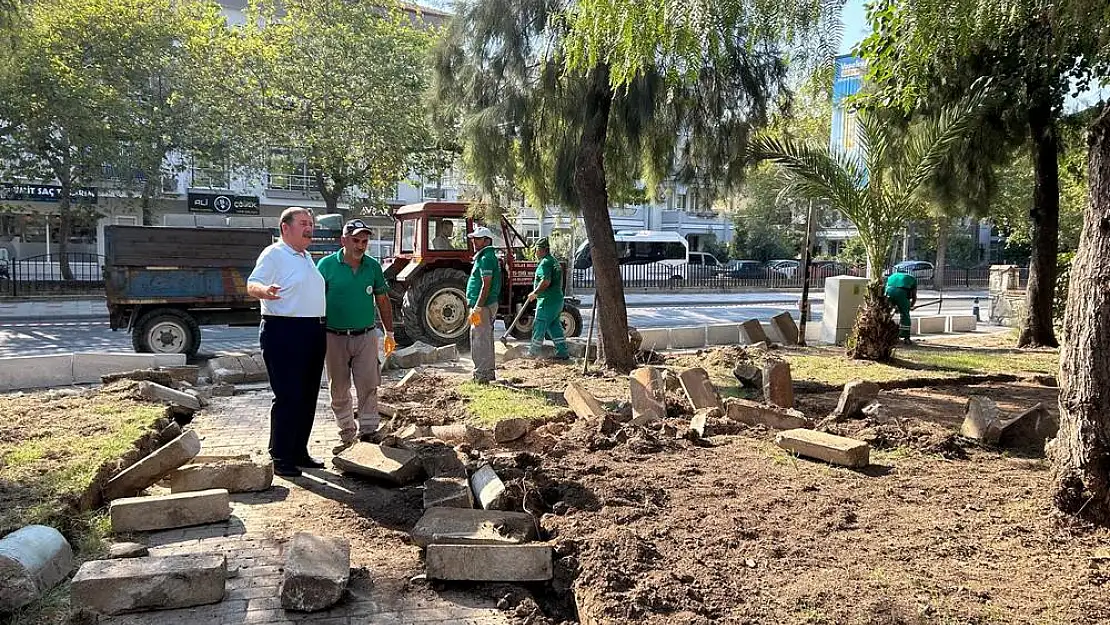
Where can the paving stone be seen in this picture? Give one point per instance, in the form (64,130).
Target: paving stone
(755,413)
(236,475)
(489,490)
(460,526)
(157,392)
(778,387)
(646,386)
(699,424)
(784,326)
(119,551)
(151,583)
(828,447)
(981,420)
(489,563)
(448,492)
(154,467)
(412,356)
(408,379)
(458,433)
(699,390)
(317,569)
(514,428)
(446,353)
(1029,430)
(582,402)
(751,331)
(856,395)
(33,559)
(140,514)
(390,464)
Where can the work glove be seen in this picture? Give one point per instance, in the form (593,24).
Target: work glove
(475,317)
(532,296)
(390,344)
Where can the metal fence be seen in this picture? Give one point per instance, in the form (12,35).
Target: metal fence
(46,275)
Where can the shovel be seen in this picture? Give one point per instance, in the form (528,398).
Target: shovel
(509,328)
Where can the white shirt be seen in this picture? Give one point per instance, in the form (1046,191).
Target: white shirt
(302,286)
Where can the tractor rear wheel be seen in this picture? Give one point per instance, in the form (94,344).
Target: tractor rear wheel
(435,308)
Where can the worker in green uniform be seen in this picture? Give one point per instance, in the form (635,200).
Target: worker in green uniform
(547,292)
(901,290)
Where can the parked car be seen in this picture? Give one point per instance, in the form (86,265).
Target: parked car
(921,269)
(701,265)
(743,270)
(785,267)
(827,269)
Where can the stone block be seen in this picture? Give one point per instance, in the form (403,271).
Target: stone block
(915,325)
(222,390)
(751,331)
(722,334)
(778,387)
(151,583)
(438,459)
(784,328)
(699,390)
(409,378)
(506,353)
(647,389)
(753,413)
(577,348)
(981,420)
(749,375)
(489,563)
(157,392)
(489,490)
(478,527)
(234,474)
(22,372)
(962,323)
(699,424)
(389,464)
(413,356)
(828,447)
(1029,430)
(412,430)
(448,492)
(317,569)
(33,559)
(687,338)
(446,353)
(120,551)
(142,514)
(511,429)
(655,339)
(149,470)
(183,372)
(88,368)
(582,402)
(856,395)
(459,433)
(932,325)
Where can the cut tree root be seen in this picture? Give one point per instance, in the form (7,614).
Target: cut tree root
(876,334)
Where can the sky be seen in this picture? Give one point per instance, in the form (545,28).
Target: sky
(855,25)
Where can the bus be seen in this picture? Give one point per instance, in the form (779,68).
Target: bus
(644,256)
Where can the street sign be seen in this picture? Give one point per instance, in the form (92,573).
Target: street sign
(223,204)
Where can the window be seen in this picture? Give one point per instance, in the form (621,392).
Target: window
(209,174)
(288,171)
(127,220)
(680,202)
(408,236)
(446,234)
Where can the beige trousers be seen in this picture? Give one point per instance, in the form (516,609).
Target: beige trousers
(481,345)
(354,357)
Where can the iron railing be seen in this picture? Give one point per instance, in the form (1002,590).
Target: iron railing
(47,274)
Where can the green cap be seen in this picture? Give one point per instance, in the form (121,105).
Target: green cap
(543,244)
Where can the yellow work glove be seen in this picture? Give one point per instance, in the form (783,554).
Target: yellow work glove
(390,344)
(475,317)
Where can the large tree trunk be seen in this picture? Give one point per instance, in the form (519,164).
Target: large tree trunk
(1045,213)
(593,198)
(1081,450)
(875,334)
(330,194)
(942,252)
(64,218)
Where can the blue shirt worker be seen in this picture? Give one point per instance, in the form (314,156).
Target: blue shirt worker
(292,337)
(357,294)
(901,290)
(483,289)
(547,293)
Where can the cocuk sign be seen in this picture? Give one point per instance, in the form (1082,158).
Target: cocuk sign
(223,204)
(45,193)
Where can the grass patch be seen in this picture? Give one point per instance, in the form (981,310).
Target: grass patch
(830,366)
(491,403)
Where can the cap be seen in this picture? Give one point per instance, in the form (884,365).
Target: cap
(481,232)
(543,244)
(354,226)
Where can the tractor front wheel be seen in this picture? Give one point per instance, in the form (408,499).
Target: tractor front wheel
(435,309)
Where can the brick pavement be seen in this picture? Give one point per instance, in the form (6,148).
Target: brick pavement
(239,424)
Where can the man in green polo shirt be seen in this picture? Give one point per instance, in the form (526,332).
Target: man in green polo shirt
(547,292)
(483,290)
(356,293)
(901,290)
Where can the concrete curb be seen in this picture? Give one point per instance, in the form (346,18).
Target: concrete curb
(30,372)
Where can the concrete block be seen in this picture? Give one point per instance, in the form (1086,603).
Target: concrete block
(458,433)
(647,388)
(749,375)
(489,490)
(511,429)
(413,356)
(149,470)
(751,331)
(932,325)
(828,447)
(36,372)
(915,325)
(981,420)
(699,423)
(577,348)
(856,395)
(438,459)
(582,402)
(655,339)
(120,551)
(722,334)
(33,559)
(233,474)
(485,527)
(389,464)
(778,387)
(152,583)
(784,329)
(448,492)
(1029,430)
(489,563)
(157,392)
(89,367)
(699,390)
(142,514)
(317,569)
(753,413)
(446,353)
(962,323)
(506,353)
(409,378)
(412,430)
(182,373)
(687,338)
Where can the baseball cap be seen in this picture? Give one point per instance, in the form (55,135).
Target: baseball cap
(354,226)
(481,232)
(543,244)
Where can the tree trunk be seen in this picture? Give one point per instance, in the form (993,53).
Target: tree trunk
(1081,450)
(151,187)
(64,218)
(593,199)
(942,252)
(875,334)
(329,194)
(1045,213)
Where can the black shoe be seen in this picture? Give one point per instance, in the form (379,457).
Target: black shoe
(308,462)
(286,469)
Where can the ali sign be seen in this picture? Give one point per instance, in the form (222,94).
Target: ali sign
(223,204)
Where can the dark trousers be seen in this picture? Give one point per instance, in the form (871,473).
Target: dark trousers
(293,349)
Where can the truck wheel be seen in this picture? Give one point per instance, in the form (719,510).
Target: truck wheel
(435,308)
(166,331)
(523,328)
(571,319)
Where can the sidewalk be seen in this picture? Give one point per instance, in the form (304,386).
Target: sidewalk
(60,308)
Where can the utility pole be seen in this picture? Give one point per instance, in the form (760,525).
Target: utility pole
(806,258)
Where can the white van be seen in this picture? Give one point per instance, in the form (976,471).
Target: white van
(643,256)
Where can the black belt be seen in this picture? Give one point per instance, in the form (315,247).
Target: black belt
(350,332)
(283,317)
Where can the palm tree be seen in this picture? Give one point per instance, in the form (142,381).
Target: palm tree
(877,188)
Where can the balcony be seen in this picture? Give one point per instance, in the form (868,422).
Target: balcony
(291,185)
(209,178)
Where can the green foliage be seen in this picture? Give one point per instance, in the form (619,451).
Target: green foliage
(963,250)
(755,240)
(853,253)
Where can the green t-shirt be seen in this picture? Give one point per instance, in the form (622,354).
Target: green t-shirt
(350,293)
(485,265)
(901,280)
(550,302)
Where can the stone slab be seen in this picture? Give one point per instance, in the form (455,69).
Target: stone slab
(856,395)
(89,367)
(751,331)
(778,386)
(446,353)
(699,423)
(459,526)
(932,325)
(149,470)
(119,551)
(582,402)
(962,323)
(981,420)
(141,514)
(722,334)
(655,339)
(749,375)
(784,328)
(448,492)
(157,392)
(389,464)
(828,447)
(754,413)
(647,390)
(511,429)
(23,372)
(151,583)
(234,474)
(687,337)
(489,563)
(1029,430)
(489,490)
(413,356)
(699,390)
(33,559)
(409,378)
(317,569)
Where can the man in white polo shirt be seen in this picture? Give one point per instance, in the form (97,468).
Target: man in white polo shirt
(292,338)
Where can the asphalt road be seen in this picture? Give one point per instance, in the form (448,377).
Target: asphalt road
(27,338)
